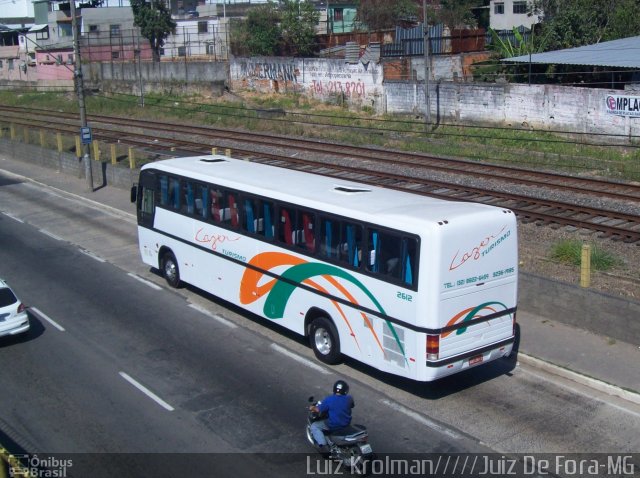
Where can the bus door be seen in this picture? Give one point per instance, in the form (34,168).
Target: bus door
(146,193)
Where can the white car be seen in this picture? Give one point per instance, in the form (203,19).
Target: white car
(13,314)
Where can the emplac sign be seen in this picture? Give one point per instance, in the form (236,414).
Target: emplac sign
(623,105)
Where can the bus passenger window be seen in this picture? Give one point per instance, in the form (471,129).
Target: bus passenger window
(266,225)
(234,213)
(202,195)
(351,244)
(164,190)
(286,231)
(249,217)
(409,253)
(308,239)
(330,235)
(217,207)
(174,193)
(188,205)
(384,254)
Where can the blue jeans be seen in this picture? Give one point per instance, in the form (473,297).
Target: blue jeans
(317,431)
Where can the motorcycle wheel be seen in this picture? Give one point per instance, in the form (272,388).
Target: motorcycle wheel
(310,437)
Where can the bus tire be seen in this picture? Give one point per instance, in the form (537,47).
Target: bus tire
(325,341)
(170,270)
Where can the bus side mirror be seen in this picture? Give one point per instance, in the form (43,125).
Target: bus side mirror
(134,193)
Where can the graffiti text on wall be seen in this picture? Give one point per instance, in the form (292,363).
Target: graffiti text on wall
(348,88)
(268,71)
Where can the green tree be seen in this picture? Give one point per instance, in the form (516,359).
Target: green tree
(259,33)
(572,23)
(376,15)
(298,22)
(155,23)
(456,13)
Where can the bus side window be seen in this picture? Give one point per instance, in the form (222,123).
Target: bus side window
(164,190)
(174,193)
(249,218)
(202,196)
(234,212)
(308,239)
(351,250)
(266,226)
(217,206)
(409,252)
(188,205)
(286,229)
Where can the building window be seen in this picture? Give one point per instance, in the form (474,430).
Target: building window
(59,60)
(202,27)
(94,28)
(182,51)
(519,7)
(498,8)
(114,30)
(10,64)
(1,65)
(64,30)
(115,55)
(43,35)
(338,14)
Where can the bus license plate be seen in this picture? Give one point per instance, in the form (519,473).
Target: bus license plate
(475,360)
(366,448)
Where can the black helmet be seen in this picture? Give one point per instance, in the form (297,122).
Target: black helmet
(341,387)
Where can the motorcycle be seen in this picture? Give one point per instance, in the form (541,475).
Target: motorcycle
(349,445)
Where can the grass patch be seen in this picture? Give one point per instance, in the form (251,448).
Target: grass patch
(570,252)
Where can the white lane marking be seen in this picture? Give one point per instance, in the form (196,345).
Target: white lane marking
(147,392)
(13,217)
(144,281)
(302,360)
(422,419)
(93,256)
(51,235)
(216,317)
(40,315)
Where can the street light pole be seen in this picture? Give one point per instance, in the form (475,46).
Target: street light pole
(77,73)
(427,66)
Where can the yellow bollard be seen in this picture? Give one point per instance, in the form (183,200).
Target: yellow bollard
(13,131)
(214,151)
(114,156)
(42,139)
(59,142)
(78,147)
(96,150)
(227,152)
(132,160)
(585,266)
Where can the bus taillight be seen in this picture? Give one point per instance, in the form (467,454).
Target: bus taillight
(433,347)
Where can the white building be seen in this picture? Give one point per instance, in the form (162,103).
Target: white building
(506,14)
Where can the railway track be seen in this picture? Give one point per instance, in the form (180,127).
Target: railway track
(376,166)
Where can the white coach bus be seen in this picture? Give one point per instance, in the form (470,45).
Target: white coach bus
(410,285)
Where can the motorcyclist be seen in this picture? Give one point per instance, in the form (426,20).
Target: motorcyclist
(337,408)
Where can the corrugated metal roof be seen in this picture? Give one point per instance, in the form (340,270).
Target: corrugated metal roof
(622,53)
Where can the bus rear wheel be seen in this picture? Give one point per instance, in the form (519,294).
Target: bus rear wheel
(170,269)
(325,341)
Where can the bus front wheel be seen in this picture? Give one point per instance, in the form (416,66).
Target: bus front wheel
(170,270)
(325,341)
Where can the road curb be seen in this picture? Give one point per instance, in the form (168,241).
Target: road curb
(582,379)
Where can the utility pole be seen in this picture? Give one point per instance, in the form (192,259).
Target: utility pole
(77,73)
(427,66)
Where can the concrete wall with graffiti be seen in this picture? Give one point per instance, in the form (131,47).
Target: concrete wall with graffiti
(324,79)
